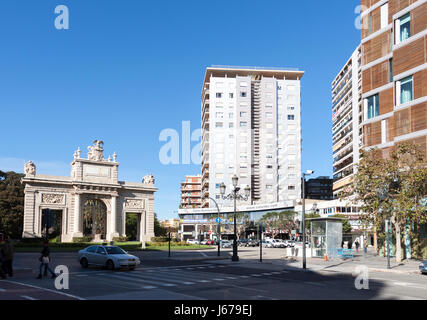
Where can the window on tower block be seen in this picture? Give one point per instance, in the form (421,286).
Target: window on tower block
(405,27)
(406,92)
(373,106)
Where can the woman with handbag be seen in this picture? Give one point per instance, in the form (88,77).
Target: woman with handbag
(45,260)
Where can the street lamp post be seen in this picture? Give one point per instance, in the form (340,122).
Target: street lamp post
(235,196)
(309,172)
(218,227)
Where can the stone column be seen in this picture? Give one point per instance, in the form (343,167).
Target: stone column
(113,218)
(78,223)
(142,233)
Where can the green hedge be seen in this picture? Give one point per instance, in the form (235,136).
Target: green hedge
(76,245)
(120,239)
(166,243)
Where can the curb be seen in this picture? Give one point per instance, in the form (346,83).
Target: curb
(393,271)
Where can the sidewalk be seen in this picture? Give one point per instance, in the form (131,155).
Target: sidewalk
(373,262)
(344,266)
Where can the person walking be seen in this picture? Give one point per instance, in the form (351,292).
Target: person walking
(7,257)
(365,246)
(45,260)
(357,244)
(349,244)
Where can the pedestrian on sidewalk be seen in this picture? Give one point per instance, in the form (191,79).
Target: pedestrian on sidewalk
(357,244)
(365,246)
(7,257)
(45,260)
(349,244)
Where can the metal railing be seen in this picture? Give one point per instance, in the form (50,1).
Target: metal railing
(255,68)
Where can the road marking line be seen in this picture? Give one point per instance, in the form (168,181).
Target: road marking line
(232,278)
(202,253)
(149,287)
(188,282)
(28,298)
(168,285)
(244,277)
(255,275)
(203,281)
(275,273)
(189,268)
(2,290)
(41,288)
(81,275)
(267,274)
(218,279)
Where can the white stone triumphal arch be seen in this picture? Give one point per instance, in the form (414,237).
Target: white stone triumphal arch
(93,181)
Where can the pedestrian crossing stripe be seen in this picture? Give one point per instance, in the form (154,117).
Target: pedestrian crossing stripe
(175,277)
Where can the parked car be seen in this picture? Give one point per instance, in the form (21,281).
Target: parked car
(204,242)
(112,257)
(226,244)
(423,267)
(192,241)
(290,243)
(267,243)
(242,242)
(252,243)
(278,243)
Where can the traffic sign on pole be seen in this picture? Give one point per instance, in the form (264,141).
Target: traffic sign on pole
(218,220)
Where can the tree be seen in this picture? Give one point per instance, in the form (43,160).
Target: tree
(390,188)
(283,220)
(408,188)
(11,204)
(159,230)
(132,226)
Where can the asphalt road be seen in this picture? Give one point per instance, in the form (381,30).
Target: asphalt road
(167,279)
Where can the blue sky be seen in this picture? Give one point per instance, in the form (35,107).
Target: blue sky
(125,70)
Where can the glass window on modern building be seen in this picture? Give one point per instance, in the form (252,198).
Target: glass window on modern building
(373,106)
(406,90)
(405,27)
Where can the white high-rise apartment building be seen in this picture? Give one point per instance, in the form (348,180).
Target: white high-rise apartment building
(251,127)
(347,117)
